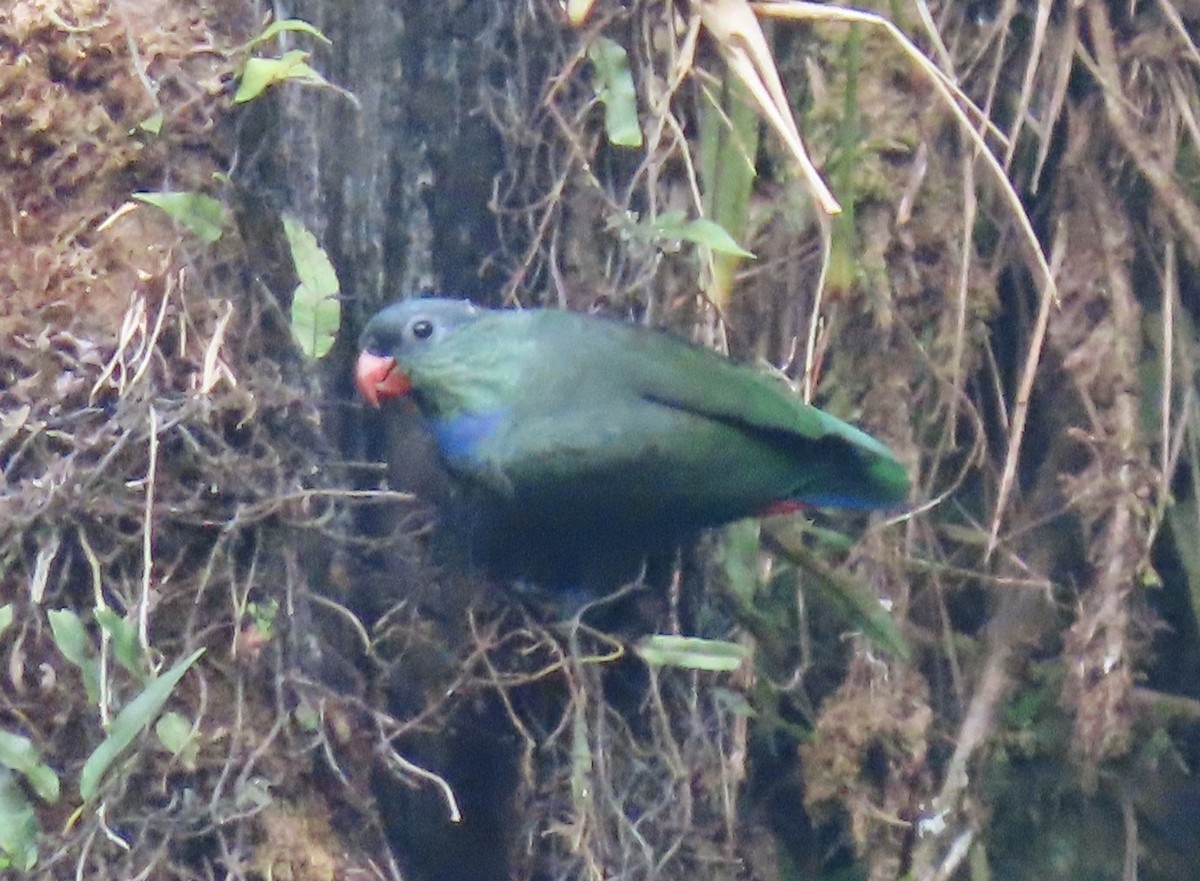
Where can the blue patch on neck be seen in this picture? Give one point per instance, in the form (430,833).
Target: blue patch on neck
(845,502)
(459,436)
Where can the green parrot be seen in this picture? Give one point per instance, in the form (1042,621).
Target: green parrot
(585,444)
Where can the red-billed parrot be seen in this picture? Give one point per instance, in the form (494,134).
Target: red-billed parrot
(584,441)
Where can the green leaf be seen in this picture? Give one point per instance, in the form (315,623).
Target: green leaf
(691,653)
(733,702)
(129,723)
(582,766)
(307,717)
(829,539)
(70,636)
(671,226)
(152,124)
(76,646)
(199,213)
(289,24)
(265,614)
(261,73)
(176,732)
(738,556)
(1183,518)
(6,617)
(19,754)
(729,136)
(124,641)
(615,89)
(18,826)
(577,11)
(255,793)
(858,605)
(316,311)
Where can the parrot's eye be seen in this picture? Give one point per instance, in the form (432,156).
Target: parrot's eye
(422,329)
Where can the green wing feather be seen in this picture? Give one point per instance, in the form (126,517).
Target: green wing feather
(613,408)
(677,374)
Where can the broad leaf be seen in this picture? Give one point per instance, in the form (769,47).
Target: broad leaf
(293,25)
(18,826)
(124,638)
(19,754)
(199,213)
(615,89)
(129,723)
(261,73)
(672,226)
(316,311)
(71,637)
(691,653)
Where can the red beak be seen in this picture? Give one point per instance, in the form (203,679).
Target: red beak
(379,379)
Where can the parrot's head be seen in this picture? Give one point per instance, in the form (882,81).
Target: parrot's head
(402,339)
